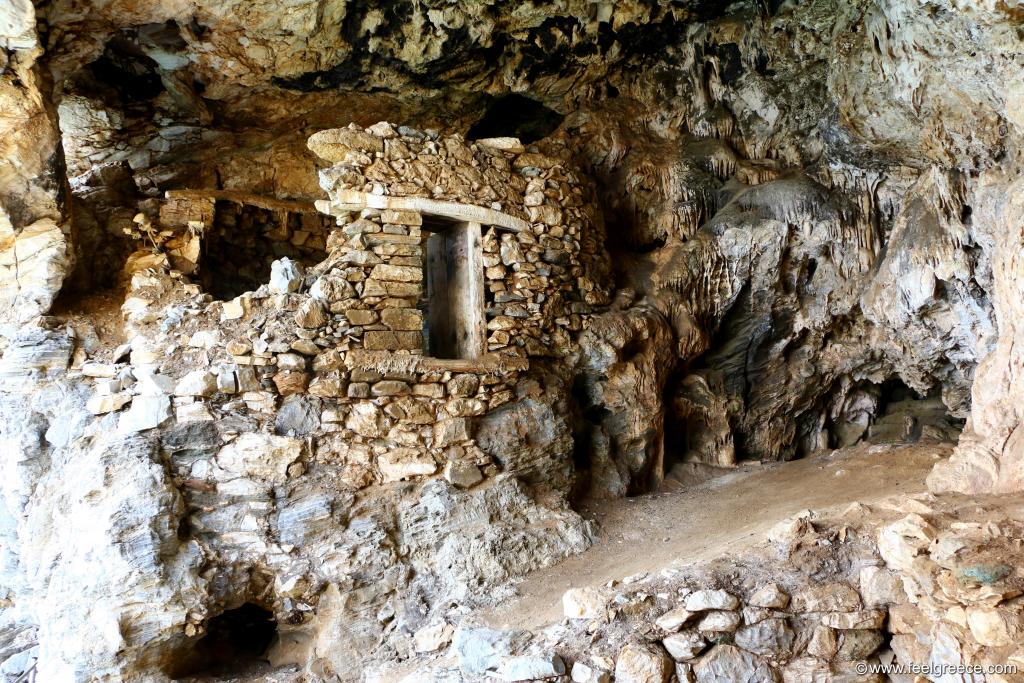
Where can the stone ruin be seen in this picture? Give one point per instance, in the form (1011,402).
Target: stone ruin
(652,343)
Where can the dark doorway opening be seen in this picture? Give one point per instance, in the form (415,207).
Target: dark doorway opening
(244,240)
(235,643)
(453,322)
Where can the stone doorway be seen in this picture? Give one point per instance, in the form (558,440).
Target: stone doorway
(454,323)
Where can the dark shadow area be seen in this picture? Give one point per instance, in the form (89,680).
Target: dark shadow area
(516,116)
(235,643)
(245,240)
(891,413)
(126,70)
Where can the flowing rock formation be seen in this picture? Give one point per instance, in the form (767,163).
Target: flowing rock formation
(325,322)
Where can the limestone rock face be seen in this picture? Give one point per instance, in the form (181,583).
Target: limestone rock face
(625,360)
(670,234)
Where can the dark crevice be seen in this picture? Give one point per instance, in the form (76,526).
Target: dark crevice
(236,643)
(516,116)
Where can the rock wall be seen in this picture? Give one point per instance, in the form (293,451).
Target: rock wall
(35,252)
(708,233)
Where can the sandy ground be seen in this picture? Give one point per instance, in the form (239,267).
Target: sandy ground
(684,525)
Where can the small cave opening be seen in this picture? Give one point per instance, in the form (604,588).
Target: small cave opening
(588,417)
(516,116)
(244,240)
(891,413)
(236,643)
(126,70)
(698,440)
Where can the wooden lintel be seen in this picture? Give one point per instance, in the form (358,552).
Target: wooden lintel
(354,200)
(247,198)
(388,361)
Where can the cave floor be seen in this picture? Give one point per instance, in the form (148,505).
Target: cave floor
(683,525)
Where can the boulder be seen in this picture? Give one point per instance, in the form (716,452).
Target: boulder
(770,596)
(285,276)
(674,619)
(643,663)
(701,600)
(719,622)
(828,597)
(769,638)
(684,646)
(583,603)
(730,664)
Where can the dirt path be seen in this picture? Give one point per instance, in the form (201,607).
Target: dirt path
(649,533)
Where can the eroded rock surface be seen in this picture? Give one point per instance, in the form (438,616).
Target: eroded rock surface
(350,304)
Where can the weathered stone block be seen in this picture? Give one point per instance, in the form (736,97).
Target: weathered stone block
(291,382)
(402,463)
(429,390)
(358,390)
(361,317)
(334,144)
(448,432)
(390,388)
(402,318)
(401,217)
(462,474)
(391,273)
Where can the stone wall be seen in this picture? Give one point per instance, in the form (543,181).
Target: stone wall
(320,456)
(927,583)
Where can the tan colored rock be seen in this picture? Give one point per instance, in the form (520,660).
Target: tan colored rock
(769,596)
(643,663)
(33,264)
(361,317)
(866,619)
(684,646)
(260,455)
(719,622)
(433,637)
(337,143)
(392,341)
(506,144)
(398,217)
(289,382)
(367,420)
(675,619)
(311,314)
(404,463)
(389,388)
(996,627)
(385,272)
(823,643)
(828,597)
(583,603)
(402,318)
(196,383)
(880,587)
(101,404)
(451,431)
